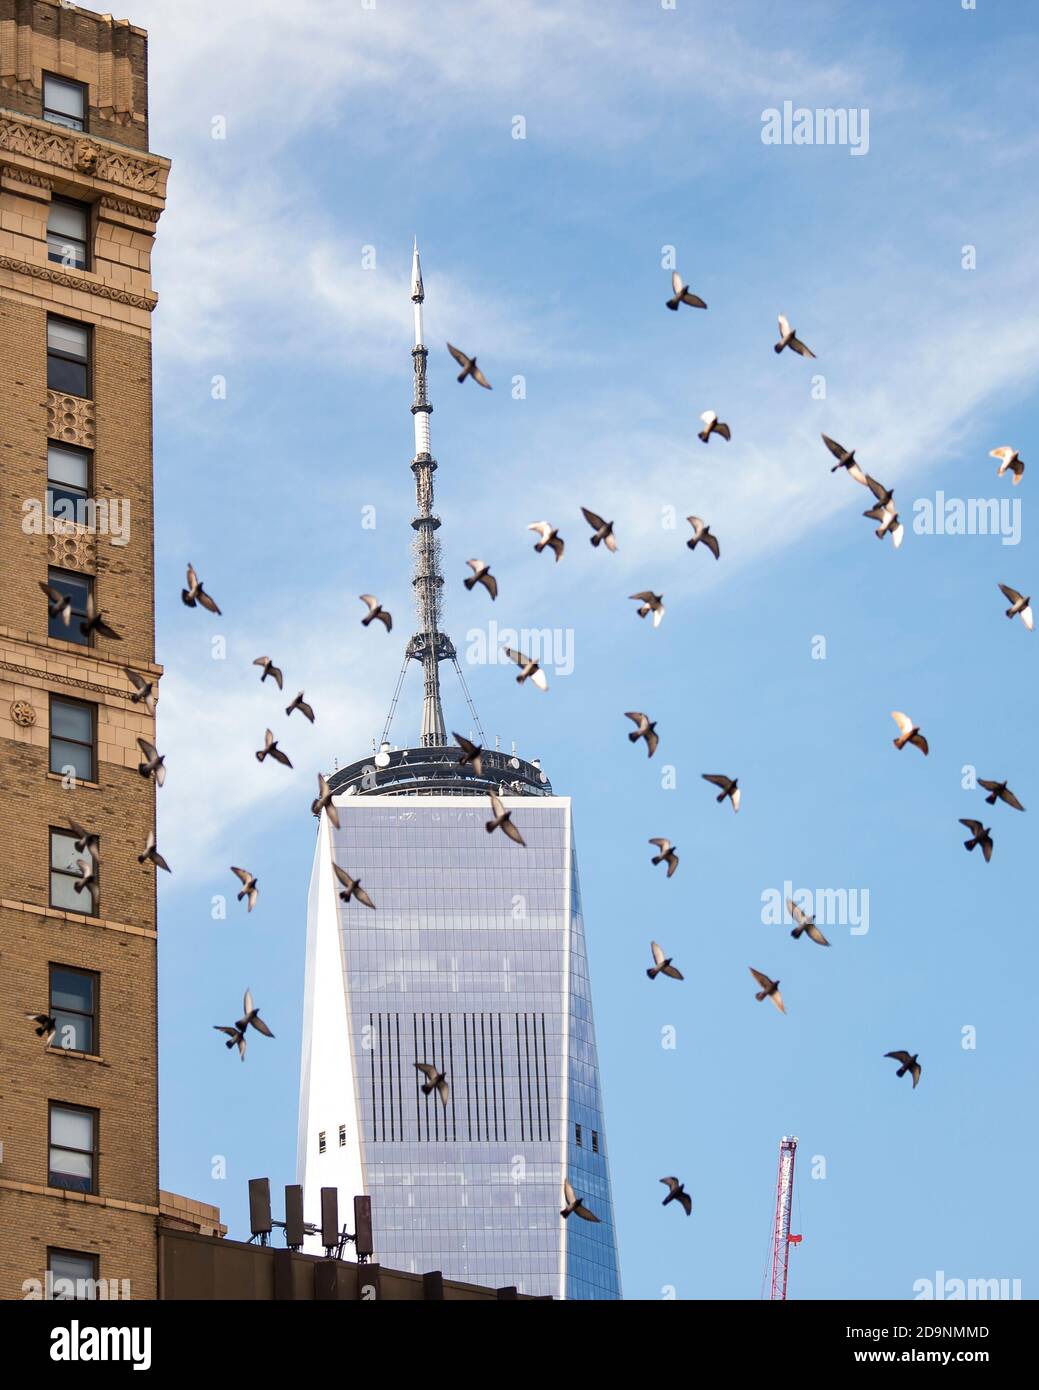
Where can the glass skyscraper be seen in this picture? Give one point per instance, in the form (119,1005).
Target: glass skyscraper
(473,960)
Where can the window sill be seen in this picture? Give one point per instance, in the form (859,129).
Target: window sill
(79,1056)
(80,781)
(62,645)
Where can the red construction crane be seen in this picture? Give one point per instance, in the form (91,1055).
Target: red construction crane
(781,1237)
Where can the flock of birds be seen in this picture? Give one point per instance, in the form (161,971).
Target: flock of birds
(651,604)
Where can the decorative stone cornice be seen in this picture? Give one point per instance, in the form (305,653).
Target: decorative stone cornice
(28,177)
(82,154)
(130,209)
(50,676)
(53,276)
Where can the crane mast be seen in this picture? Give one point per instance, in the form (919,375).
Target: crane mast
(781,1237)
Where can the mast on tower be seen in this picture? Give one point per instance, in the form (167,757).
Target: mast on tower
(429,646)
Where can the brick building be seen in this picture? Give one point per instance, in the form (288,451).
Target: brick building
(80,196)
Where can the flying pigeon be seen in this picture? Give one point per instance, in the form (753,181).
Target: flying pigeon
(155,766)
(1000,791)
(503,821)
(1009,460)
(549,536)
(236,1035)
(889,522)
(472,754)
(249,888)
(481,574)
(529,669)
(1020,607)
(93,622)
(88,880)
(650,603)
(884,512)
(269,669)
(662,965)
(667,855)
(574,1204)
(144,691)
(979,836)
(351,887)
(730,787)
(908,733)
(804,924)
(236,1038)
(603,529)
(435,1081)
(702,532)
(195,594)
(712,425)
(299,703)
(58,604)
(789,339)
(676,1193)
(270,749)
(769,989)
(845,459)
(646,729)
(469,367)
(152,855)
(86,840)
(682,294)
(376,610)
(46,1027)
(323,802)
(909,1063)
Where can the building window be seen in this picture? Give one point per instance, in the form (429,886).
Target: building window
(68,228)
(72,725)
(73,1006)
(342,1136)
(321,1142)
(76,587)
(577,1133)
(68,481)
(64,102)
(73,1275)
(72,1156)
(595,1141)
(68,356)
(64,875)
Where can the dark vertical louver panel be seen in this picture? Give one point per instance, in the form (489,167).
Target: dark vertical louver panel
(501,1077)
(483,1070)
(544,1066)
(494,1074)
(537,1073)
(382,1083)
(468,1091)
(400,1069)
(371,1071)
(451,1073)
(488,1076)
(526,1070)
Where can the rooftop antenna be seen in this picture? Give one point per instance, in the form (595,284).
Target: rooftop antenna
(429,645)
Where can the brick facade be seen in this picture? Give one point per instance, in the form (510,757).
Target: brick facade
(107,167)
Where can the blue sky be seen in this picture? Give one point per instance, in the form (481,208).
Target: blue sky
(349,128)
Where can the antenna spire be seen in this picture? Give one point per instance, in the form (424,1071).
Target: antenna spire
(429,645)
